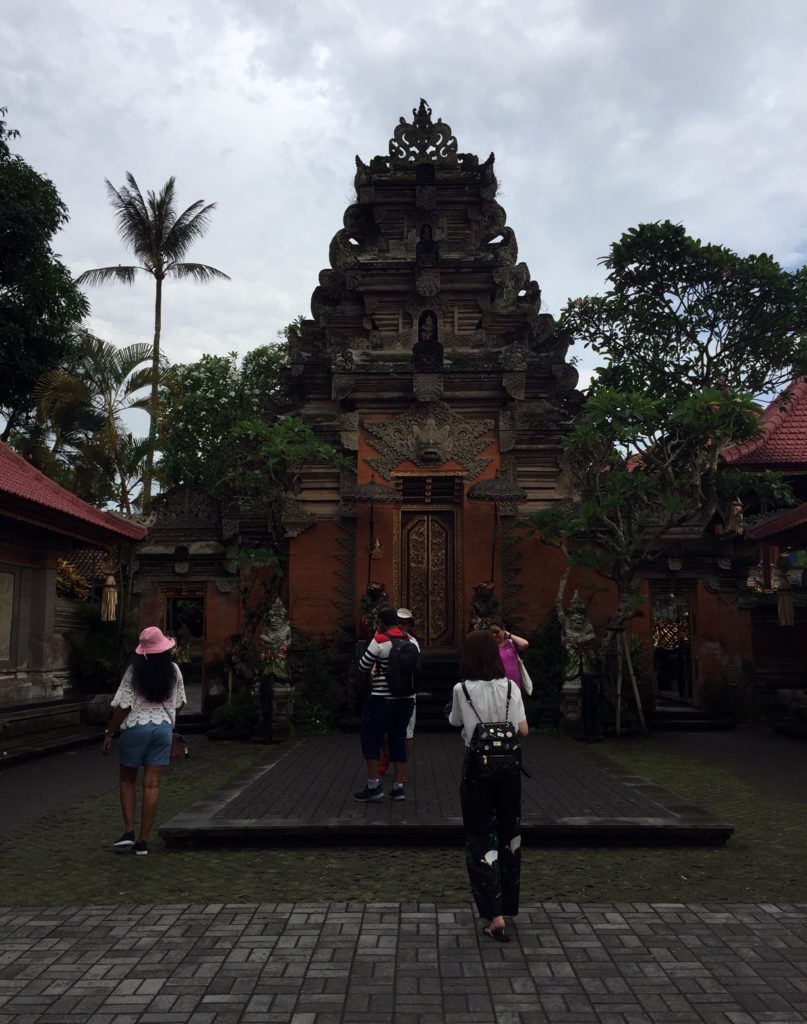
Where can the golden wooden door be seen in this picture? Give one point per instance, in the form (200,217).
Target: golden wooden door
(428,575)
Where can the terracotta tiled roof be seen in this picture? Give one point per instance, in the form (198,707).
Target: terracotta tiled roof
(20,479)
(777,525)
(784,433)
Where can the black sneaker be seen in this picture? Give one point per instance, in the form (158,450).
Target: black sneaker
(370,793)
(125,841)
(398,793)
(141,848)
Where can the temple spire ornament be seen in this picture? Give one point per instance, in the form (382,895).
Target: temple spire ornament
(422,141)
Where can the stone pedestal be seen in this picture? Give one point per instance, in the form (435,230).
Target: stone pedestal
(570,700)
(283,711)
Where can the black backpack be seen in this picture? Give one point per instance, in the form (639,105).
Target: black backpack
(494,753)
(403,666)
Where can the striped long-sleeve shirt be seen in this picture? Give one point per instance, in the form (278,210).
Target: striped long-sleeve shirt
(377,654)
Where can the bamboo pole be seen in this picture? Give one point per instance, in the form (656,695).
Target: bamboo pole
(635,685)
(618,682)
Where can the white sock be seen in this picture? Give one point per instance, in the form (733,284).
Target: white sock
(372,783)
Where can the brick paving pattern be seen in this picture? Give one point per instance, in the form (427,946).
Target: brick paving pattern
(562,783)
(389,963)
(570,791)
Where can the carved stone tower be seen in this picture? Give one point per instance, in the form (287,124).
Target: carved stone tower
(428,364)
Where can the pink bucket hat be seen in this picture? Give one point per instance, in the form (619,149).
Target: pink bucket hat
(154,641)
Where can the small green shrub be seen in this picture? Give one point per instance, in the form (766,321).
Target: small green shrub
(236,720)
(319,687)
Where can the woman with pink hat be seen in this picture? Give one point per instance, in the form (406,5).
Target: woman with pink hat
(146,704)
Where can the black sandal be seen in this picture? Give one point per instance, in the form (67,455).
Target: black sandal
(498,936)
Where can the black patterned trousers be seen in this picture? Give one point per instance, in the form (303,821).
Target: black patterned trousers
(491,818)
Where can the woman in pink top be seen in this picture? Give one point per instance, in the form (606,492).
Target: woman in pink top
(510,649)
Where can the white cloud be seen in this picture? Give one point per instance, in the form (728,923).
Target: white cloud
(600,115)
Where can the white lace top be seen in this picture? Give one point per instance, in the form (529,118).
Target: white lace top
(145,711)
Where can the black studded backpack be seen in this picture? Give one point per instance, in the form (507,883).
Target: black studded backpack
(494,753)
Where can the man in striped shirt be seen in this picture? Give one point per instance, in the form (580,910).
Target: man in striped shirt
(383,713)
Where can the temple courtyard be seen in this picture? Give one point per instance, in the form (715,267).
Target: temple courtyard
(325,928)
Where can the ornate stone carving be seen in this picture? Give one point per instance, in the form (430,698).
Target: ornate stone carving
(429,434)
(426,197)
(342,361)
(341,385)
(422,141)
(428,387)
(514,357)
(514,383)
(427,281)
(507,434)
(509,282)
(349,431)
(342,253)
(505,253)
(295,519)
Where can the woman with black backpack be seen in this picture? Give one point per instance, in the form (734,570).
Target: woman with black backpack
(489,709)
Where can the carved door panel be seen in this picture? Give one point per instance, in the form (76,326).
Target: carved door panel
(428,583)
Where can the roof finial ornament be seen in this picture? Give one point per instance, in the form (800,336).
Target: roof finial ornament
(422,141)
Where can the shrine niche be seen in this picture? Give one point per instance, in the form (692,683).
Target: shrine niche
(429,364)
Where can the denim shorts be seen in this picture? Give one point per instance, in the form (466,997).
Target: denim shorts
(145,745)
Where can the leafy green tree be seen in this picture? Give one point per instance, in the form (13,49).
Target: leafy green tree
(80,438)
(681,316)
(160,239)
(690,334)
(203,402)
(40,305)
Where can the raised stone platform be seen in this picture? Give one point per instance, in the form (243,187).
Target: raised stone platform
(572,797)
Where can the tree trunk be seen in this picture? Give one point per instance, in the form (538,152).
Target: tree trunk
(155,394)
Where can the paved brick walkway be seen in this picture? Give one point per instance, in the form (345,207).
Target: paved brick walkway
(353,963)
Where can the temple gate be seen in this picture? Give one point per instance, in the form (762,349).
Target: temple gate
(428,364)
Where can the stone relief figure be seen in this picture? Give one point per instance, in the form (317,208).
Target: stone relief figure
(274,684)
(372,601)
(579,656)
(484,605)
(429,445)
(427,354)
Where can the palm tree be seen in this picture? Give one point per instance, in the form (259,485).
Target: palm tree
(160,240)
(82,408)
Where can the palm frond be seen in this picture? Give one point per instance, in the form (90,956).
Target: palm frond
(103,275)
(58,391)
(131,215)
(140,380)
(162,214)
(189,226)
(198,271)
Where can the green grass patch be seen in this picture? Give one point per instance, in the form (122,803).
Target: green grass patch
(68,860)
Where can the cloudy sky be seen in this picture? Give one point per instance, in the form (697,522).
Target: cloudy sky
(601,113)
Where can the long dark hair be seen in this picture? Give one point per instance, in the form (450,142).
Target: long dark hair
(480,658)
(153,676)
